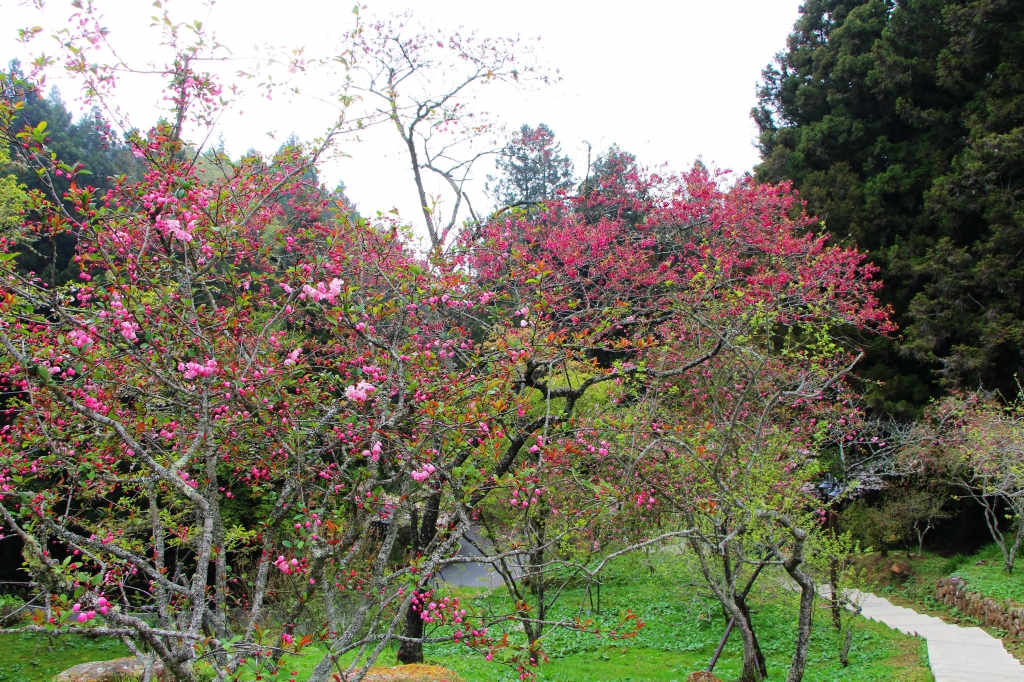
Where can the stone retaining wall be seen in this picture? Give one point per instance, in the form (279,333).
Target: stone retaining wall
(954,592)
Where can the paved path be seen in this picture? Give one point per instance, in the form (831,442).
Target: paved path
(956,654)
(473,574)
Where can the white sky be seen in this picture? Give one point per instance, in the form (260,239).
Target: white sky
(668,80)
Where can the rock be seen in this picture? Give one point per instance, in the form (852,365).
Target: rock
(901,569)
(702,676)
(110,671)
(1005,615)
(415,672)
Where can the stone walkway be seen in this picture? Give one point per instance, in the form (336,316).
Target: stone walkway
(956,654)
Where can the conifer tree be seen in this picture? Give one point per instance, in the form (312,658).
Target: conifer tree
(534,169)
(900,122)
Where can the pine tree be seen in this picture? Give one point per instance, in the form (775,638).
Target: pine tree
(89,141)
(534,169)
(899,122)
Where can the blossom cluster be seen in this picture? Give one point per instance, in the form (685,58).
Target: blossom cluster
(194,369)
(85,616)
(288,567)
(374,451)
(360,392)
(441,611)
(321,292)
(423,473)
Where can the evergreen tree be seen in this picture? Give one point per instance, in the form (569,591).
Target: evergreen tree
(899,122)
(970,310)
(613,187)
(89,142)
(534,168)
(12,198)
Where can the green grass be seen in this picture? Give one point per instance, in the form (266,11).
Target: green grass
(36,658)
(984,574)
(682,633)
(679,638)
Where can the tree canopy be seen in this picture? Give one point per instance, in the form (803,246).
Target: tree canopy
(901,124)
(89,142)
(534,168)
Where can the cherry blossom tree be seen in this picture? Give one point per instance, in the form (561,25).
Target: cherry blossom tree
(721,451)
(424,83)
(658,348)
(719,344)
(218,346)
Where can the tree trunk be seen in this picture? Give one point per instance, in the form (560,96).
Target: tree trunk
(412,652)
(751,671)
(1012,553)
(533,577)
(734,607)
(803,636)
(806,583)
(762,664)
(992,521)
(844,653)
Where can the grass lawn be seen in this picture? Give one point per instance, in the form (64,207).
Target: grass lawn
(984,573)
(681,634)
(36,658)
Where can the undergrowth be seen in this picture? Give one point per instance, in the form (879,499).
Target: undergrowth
(680,635)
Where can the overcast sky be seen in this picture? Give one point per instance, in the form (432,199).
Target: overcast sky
(669,80)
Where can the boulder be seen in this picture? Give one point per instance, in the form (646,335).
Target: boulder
(901,569)
(702,676)
(110,671)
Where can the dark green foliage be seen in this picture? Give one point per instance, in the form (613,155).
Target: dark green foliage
(900,122)
(971,310)
(874,526)
(533,167)
(900,518)
(954,562)
(90,142)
